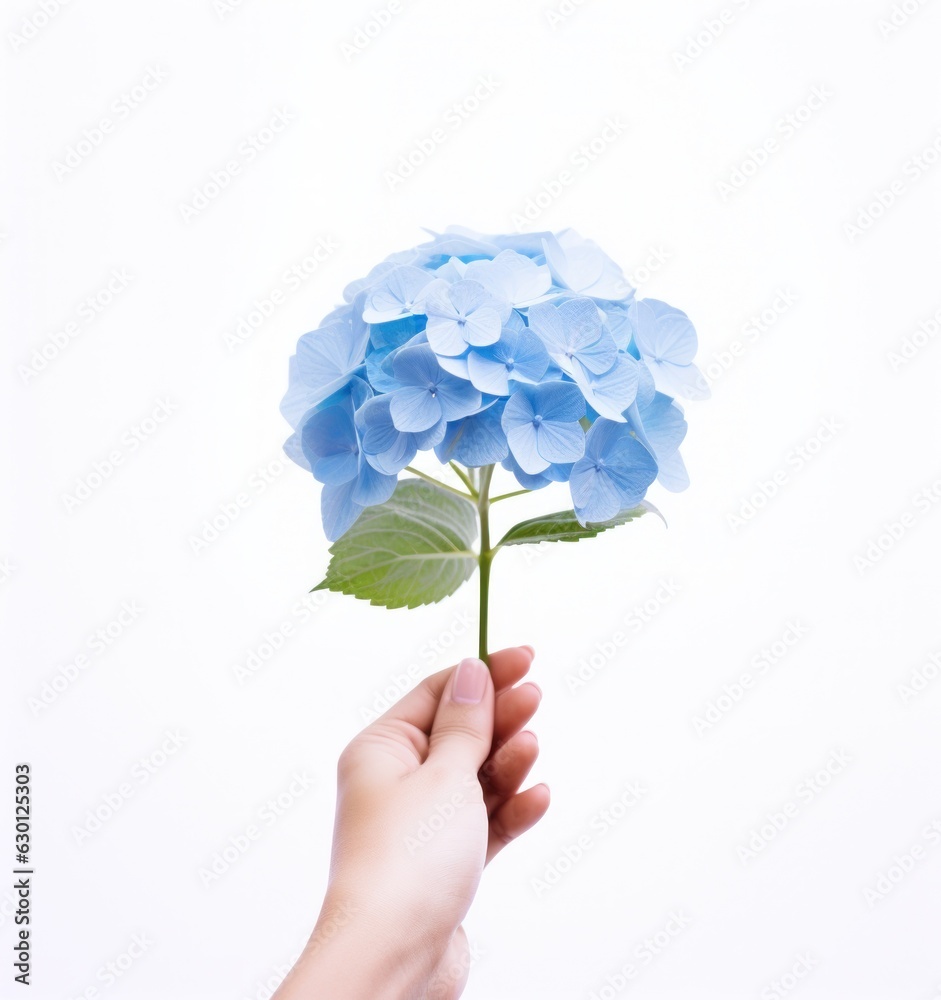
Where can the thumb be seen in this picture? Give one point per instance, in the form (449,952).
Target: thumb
(462,731)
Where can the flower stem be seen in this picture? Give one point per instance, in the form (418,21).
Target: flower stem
(437,482)
(465,479)
(486,555)
(506,496)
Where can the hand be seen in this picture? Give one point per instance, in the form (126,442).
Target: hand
(427,795)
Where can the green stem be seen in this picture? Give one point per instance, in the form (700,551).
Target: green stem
(486,555)
(465,479)
(506,496)
(437,482)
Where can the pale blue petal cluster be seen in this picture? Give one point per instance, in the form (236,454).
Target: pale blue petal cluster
(525,350)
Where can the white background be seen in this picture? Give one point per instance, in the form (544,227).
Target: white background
(652,197)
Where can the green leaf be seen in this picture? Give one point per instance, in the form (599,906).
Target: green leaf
(414,549)
(564,526)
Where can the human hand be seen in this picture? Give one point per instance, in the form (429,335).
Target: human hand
(427,795)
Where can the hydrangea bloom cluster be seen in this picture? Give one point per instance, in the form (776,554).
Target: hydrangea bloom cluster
(528,350)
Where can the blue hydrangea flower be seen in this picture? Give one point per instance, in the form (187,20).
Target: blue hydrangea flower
(574,336)
(325,361)
(666,340)
(463,315)
(542,425)
(512,277)
(661,427)
(583,267)
(553,474)
(476,440)
(331,448)
(518,356)
(387,449)
(527,351)
(428,393)
(614,473)
(397,293)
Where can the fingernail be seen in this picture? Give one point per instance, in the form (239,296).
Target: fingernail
(532,652)
(470,682)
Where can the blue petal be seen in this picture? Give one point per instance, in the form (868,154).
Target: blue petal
(672,473)
(512,276)
(679,380)
(475,441)
(414,409)
(560,401)
(397,293)
(487,374)
(372,487)
(397,333)
(594,495)
(416,366)
(522,442)
(613,392)
(662,332)
(294,451)
(329,354)
(558,442)
(377,431)
(525,480)
(329,443)
(531,359)
(456,397)
(520,409)
(338,510)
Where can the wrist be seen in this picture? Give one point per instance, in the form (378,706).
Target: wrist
(355,952)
